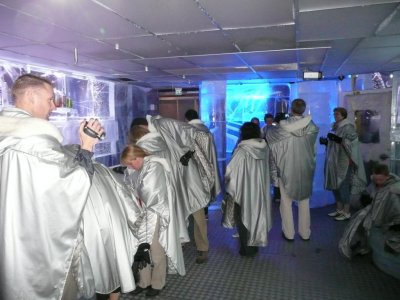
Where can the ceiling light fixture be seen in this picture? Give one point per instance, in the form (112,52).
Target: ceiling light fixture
(146,68)
(391,75)
(116,46)
(312,75)
(75,55)
(183,76)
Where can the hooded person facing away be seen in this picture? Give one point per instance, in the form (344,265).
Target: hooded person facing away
(292,145)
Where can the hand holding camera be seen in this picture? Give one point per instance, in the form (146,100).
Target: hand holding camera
(90,133)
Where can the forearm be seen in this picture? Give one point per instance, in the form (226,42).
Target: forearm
(84,158)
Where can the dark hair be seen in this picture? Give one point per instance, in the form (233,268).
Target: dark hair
(139,121)
(342,111)
(191,114)
(249,130)
(268,116)
(381,169)
(298,106)
(255,119)
(26,81)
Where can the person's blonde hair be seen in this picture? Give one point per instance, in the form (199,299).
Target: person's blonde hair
(131,152)
(136,132)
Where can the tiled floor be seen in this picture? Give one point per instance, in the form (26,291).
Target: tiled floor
(282,270)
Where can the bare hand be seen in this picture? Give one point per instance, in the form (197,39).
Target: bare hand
(88,142)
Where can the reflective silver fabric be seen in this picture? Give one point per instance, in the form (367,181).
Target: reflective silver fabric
(228,211)
(154,144)
(338,157)
(110,244)
(292,145)
(211,155)
(43,191)
(383,212)
(153,188)
(180,138)
(247,183)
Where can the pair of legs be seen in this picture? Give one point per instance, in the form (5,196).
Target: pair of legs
(200,235)
(245,250)
(155,275)
(342,194)
(287,216)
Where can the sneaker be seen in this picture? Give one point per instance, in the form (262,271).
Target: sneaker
(335,214)
(343,216)
(202,257)
(235,235)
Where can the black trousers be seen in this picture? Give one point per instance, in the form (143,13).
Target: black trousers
(243,234)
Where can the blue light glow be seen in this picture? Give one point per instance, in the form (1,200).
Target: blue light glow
(248,99)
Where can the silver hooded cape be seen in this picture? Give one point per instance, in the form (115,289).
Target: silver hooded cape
(247,184)
(383,212)
(211,155)
(43,191)
(292,145)
(338,156)
(154,144)
(194,190)
(112,209)
(153,188)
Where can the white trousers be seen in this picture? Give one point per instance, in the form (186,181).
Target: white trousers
(287,215)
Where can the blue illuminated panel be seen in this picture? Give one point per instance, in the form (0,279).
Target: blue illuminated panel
(248,99)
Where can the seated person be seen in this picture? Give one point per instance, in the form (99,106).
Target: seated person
(383,213)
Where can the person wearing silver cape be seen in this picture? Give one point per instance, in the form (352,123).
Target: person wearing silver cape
(43,191)
(110,217)
(159,224)
(209,149)
(292,145)
(189,165)
(153,143)
(247,202)
(382,215)
(344,167)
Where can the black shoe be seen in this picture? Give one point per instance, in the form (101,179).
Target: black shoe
(137,291)
(247,254)
(152,292)
(287,239)
(202,257)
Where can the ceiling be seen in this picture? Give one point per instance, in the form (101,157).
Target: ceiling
(164,43)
